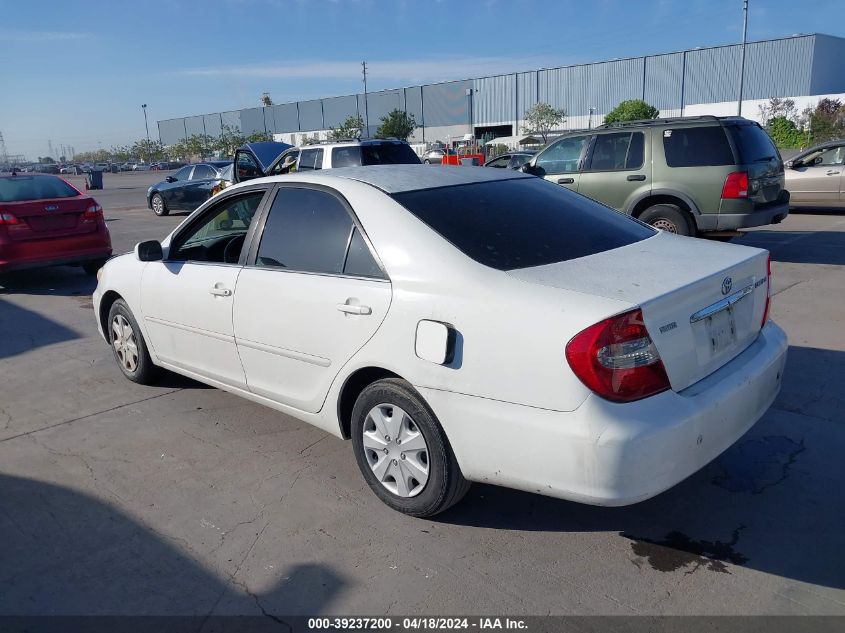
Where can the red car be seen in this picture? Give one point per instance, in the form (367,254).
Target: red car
(46,221)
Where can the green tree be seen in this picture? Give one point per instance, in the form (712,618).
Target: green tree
(46,160)
(397,124)
(632,110)
(229,140)
(785,133)
(266,101)
(149,151)
(350,128)
(257,137)
(826,121)
(542,118)
(200,145)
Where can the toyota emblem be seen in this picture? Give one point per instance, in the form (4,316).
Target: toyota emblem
(727,284)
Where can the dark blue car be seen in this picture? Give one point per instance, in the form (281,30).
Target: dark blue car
(187,188)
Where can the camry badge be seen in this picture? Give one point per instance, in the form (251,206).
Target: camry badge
(727,284)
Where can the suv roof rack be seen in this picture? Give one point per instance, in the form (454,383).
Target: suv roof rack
(672,120)
(352,140)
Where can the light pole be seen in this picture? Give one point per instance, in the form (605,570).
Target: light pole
(590,119)
(742,59)
(366,108)
(147,127)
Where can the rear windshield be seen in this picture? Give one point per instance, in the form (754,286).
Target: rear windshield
(753,143)
(697,147)
(510,224)
(22,188)
(388,154)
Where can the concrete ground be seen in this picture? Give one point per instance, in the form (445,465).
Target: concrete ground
(181,499)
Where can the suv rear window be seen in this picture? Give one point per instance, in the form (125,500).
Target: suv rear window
(388,154)
(753,143)
(697,147)
(22,188)
(524,222)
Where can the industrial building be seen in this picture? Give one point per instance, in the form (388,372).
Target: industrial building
(698,81)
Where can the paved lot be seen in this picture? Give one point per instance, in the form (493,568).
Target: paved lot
(117,498)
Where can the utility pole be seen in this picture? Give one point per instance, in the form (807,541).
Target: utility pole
(742,62)
(149,156)
(4,156)
(366,109)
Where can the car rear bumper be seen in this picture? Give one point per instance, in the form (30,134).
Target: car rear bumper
(76,249)
(613,454)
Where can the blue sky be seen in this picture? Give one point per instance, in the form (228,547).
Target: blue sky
(77,72)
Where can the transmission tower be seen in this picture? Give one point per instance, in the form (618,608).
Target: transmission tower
(4,156)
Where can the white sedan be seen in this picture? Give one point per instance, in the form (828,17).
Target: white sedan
(459,325)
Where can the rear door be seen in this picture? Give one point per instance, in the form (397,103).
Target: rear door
(561,162)
(615,168)
(45,207)
(312,294)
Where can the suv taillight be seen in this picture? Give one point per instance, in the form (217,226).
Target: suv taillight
(617,359)
(736,185)
(8,219)
(93,212)
(768,291)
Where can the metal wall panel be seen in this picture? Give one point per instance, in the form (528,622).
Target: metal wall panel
(171,131)
(414,103)
(712,75)
(778,68)
(252,121)
(494,100)
(194,125)
(566,88)
(380,103)
(526,92)
(212,124)
(664,80)
(285,118)
(310,115)
(446,103)
(612,82)
(336,109)
(231,119)
(828,65)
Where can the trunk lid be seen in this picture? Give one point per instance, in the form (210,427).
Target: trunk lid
(50,218)
(702,302)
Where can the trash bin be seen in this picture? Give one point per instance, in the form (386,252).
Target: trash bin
(95,179)
(115,169)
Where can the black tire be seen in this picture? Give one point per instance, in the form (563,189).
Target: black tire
(158,205)
(667,217)
(144,372)
(445,485)
(93,266)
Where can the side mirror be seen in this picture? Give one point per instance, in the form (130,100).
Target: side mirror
(149,251)
(170,179)
(788,164)
(528,168)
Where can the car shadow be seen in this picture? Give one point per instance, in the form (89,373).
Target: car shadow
(772,502)
(799,247)
(62,281)
(65,552)
(24,330)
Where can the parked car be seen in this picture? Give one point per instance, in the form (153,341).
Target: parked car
(511,160)
(141,167)
(46,221)
(687,176)
(185,189)
(71,169)
(356,300)
(435,155)
(816,177)
(326,155)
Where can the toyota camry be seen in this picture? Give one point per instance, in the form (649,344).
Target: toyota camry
(459,325)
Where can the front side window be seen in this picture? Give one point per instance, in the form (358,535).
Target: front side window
(831,157)
(306,230)
(697,147)
(310,159)
(501,162)
(617,151)
(220,233)
(183,173)
(563,156)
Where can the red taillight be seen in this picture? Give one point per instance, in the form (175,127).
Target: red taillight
(736,185)
(8,219)
(617,359)
(93,212)
(768,291)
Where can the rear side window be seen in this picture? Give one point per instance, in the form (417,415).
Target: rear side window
(753,143)
(306,230)
(388,154)
(346,156)
(203,172)
(697,147)
(618,150)
(22,188)
(510,224)
(310,159)
(360,261)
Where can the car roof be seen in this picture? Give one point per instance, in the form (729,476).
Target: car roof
(402,178)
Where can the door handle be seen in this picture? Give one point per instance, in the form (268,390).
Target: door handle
(565,181)
(832,173)
(636,177)
(352,309)
(221,292)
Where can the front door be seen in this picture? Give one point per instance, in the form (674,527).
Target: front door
(561,161)
(186,300)
(615,169)
(309,298)
(817,181)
